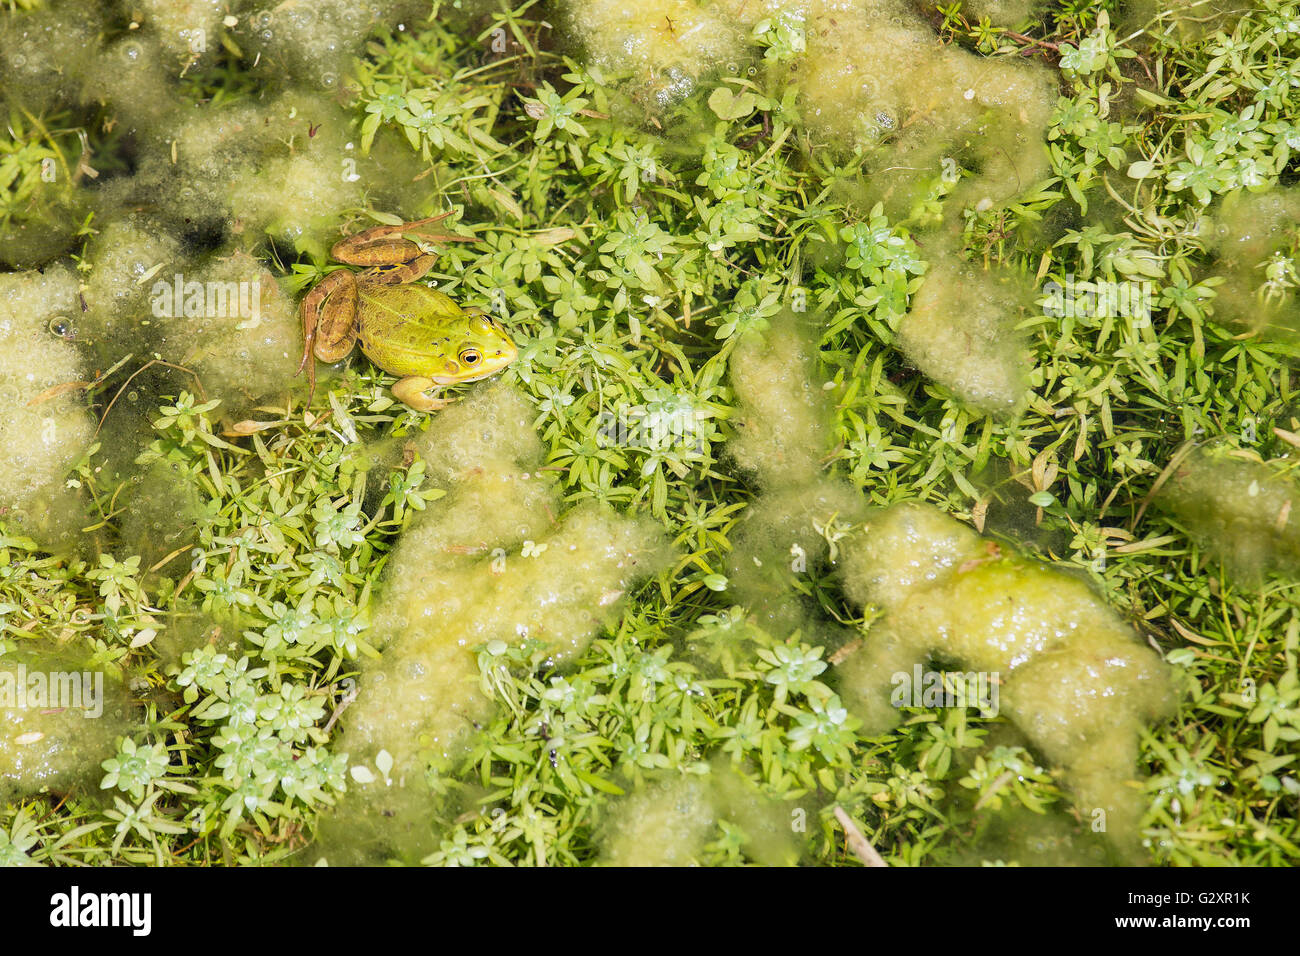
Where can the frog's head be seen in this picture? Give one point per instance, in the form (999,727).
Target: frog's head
(480,348)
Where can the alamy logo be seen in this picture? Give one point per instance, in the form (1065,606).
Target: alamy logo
(74,908)
(44,690)
(922,688)
(207,300)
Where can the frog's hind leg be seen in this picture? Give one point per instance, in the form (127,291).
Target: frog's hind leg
(387,246)
(400,273)
(329,323)
(411,391)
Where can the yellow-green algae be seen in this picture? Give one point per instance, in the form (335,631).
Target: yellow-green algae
(128,76)
(188,31)
(1074,678)
(1018,836)
(865,73)
(161,514)
(222,317)
(128,255)
(313,41)
(44,424)
(1003,13)
(42,44)
(1256,237)
(668,44)
(780,432)
(667,821)
(222,320)
(784,413)
(1239,508)
(45,747)
(876,72)
(249,341)
(961,332)
(498,561)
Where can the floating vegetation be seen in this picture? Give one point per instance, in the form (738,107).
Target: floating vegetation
(873,359)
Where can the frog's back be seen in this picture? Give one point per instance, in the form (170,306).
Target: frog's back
(408,329)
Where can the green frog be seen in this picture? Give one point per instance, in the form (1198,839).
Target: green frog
(412,331)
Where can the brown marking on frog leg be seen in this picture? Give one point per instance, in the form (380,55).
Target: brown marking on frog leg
(329,313)
(399,274)
(411,392)
(387,245)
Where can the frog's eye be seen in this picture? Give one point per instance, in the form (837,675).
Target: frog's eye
(62,327)
(470,357)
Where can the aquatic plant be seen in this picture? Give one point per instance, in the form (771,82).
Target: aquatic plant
(730,264)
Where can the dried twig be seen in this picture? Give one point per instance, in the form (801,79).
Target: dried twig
(859,844)
(343,705)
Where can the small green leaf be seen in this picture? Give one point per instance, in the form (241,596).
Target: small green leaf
(728,106)
(598,783)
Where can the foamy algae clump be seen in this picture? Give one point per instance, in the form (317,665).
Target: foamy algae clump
(1256,238)
(129,77)
(667,44)
(666,823)
(187,30)
(1005,13)
(496,560)
(669,821)
(58,721)
(43,429)
(234,326)
(876,72)
(1241,509)
(163,513)
(43,53)
(127,258)
(961,332)
(782,425)
(866,73)
(1074,678)
(312,42)
(225,317)
(781,435)
(291,167)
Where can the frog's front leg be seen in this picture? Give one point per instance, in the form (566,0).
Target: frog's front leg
(412,392)
(329,323)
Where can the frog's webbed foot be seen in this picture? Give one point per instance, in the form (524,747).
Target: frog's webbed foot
(412,391)
(328,323)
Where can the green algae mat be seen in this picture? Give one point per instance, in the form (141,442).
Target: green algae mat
(871,436)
